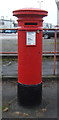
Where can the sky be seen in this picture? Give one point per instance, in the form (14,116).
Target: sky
(7,6)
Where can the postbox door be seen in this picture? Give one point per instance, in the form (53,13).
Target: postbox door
(30,57)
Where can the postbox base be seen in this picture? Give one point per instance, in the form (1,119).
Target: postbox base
(29,94)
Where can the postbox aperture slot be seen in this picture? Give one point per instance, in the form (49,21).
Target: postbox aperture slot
(29,23)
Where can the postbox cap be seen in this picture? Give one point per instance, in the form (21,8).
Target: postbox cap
(30,11)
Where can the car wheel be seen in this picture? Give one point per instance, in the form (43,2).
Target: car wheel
(46,36)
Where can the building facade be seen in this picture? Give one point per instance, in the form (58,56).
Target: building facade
(57,2)
(4,23)
(7,23)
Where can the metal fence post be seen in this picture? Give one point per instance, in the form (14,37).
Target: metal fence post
(55,40)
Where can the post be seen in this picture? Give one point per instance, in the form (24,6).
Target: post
(55,39)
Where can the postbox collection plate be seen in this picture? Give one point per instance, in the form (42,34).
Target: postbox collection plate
(30,38)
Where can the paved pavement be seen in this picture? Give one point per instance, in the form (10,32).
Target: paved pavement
(11,108)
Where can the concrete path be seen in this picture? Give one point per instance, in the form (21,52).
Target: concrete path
(11,108)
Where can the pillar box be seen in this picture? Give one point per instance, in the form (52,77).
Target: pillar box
(30,55)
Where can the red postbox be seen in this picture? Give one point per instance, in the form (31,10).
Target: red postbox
(30,55)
